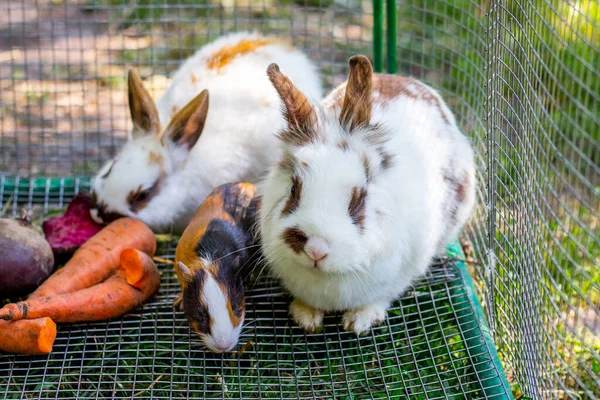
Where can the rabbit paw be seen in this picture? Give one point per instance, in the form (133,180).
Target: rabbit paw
(306,317)
(362,319)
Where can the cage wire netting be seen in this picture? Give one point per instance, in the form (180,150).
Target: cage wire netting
(522,78)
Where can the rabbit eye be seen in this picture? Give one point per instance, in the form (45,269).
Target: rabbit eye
(295,195)
(109,170)
(356,208)
(142,195)
(138,199)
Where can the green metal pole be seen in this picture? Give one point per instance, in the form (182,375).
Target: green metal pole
(392,55)
(378,35)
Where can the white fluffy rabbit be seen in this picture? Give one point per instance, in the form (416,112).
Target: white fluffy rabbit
(372,184)
(181,149)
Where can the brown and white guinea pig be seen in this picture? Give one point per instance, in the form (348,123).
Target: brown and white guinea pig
(211,261)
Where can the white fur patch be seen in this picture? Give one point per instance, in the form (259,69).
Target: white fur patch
(224,336)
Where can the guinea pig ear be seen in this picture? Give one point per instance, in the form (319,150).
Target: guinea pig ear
(185,272)
(356,109)
(298,112)
(186,126)
(141,106)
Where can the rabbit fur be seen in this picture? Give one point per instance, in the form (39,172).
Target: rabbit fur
(215,123)
(372,184)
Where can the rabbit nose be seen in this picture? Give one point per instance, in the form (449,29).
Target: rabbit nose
(316,248)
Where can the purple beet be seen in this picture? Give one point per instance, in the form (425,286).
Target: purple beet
(68,232)
(26,259)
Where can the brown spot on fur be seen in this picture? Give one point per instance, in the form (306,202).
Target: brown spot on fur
(344,145)
(356,108)
(392,86)
(155,158)
(287,162)
(386,160)
(227,54)
(195,326)
(367,167)
(461,188)
(356,208)
(295,195)
(235,320)
(304,164)
(295,239)
(299,114)
(193,78)
(174,110)
(299,137)
(458,191)
(386,87)
(139,198)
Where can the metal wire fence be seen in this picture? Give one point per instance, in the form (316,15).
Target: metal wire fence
(524,82)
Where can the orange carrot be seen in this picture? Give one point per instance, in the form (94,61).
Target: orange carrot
(135,266)
(110,299)
(98,258)
(31,336)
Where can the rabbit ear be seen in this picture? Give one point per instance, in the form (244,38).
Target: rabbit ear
(143,110)
(187,125)
(356,109)
(298,112)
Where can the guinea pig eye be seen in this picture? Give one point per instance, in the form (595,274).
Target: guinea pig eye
(293,190)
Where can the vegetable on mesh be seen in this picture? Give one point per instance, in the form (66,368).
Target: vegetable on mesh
(29,336)
(98,258)
(26,258)
(109,299)
(71,230)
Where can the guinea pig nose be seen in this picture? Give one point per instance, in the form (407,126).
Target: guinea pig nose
(222,347)
(316,248)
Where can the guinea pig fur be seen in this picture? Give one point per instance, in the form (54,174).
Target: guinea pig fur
(211,262)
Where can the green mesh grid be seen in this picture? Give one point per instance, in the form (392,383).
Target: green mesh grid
(432,346)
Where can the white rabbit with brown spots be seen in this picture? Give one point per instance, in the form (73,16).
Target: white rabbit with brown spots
(371,185)
(215,124)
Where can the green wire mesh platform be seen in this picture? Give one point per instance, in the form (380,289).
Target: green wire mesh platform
(434,344)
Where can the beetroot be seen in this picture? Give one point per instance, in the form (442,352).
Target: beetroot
(25,257)
(69,231)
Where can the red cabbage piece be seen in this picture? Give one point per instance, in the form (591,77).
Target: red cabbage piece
(66,233)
